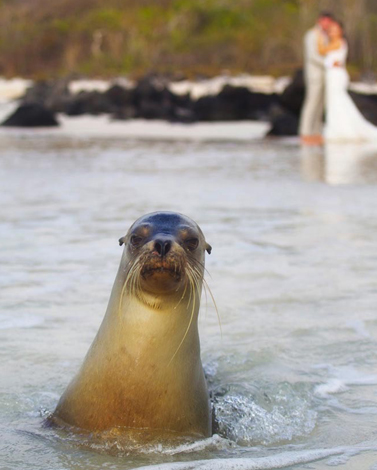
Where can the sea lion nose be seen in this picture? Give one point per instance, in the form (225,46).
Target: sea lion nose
(162,247)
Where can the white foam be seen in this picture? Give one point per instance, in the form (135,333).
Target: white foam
(282,460)
(213,442)
(75,86)
(247,420)
(330,387)
(213,86)
(14,88)
(341,378)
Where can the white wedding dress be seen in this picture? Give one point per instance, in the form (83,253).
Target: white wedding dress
(344,122)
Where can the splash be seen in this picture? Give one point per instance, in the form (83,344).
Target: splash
(282,415)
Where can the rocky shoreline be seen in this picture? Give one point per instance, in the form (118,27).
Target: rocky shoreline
(153,98)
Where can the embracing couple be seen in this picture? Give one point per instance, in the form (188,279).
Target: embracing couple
(326,80)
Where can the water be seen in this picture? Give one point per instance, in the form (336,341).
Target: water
(293,271)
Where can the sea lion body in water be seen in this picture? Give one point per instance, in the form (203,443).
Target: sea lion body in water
(143,369)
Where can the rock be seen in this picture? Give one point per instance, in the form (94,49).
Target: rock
(120,97)
(153,100)
(260,105)
(367,104)
(122,114)
(183,114)
(283,123)
(234,104)
(53,95)
(122,102)
(284,118)
(182,109)
(88,102)
(293,96)
(31,115)
(150,99)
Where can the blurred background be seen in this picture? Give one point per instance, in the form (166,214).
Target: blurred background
(41,39)
(122,133)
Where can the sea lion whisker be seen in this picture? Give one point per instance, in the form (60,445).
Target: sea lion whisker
(133,283)
(194,269)
(197,270)
(197,278)
(127,281)
(189,324)
(202,266)
(130,280)
(206,309)
(191,290)
(206,287)
(197,273)
(183,295)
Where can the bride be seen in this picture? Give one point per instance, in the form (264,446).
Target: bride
(344,122)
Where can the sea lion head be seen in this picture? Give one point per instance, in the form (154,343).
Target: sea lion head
(165,251)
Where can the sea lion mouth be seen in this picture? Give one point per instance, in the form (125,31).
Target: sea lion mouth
(157,267)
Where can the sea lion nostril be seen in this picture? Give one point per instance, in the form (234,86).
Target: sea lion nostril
(162,247)
(167,246)
(158,246)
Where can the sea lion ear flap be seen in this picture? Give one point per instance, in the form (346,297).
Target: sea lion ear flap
(208,248)
(122,240)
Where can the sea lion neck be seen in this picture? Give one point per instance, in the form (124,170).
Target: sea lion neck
(149,335)
(167,309)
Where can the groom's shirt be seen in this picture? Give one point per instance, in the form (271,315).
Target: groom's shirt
(314,62)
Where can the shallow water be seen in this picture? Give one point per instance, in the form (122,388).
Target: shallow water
(293,271)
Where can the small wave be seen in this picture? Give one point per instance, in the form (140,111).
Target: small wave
(282,460)
(125,442)
(212,443)
(282,415)
(342,378)
(331,387)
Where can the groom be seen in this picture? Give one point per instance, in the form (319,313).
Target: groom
(314,74)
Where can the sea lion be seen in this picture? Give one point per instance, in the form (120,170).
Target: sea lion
(143,369)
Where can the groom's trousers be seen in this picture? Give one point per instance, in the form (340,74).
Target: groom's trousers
(313,107)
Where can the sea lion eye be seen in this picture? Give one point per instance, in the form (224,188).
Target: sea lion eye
(136,240)
(192,243)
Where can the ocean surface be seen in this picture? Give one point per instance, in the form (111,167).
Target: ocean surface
(293,271)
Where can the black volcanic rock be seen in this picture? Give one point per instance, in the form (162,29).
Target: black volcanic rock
(120,97)
(293,96)
(153,100)
(367,104)
(234,104)
(31,115)
(283,123)
(52,94)
(88,102)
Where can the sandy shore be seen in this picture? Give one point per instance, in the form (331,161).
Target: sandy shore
(103,127)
